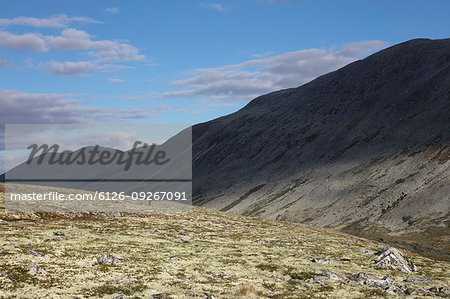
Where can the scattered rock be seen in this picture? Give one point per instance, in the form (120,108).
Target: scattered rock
(442,291)
(326,276)
(172,230)
(183,234)
(108,259)
(385,283)
(219,275)
(120,297)
(175,258)
(321,261)
(36,252)
(392,258)
(260,242)
(35,269)
(414,278)
(408,290)
(58,234)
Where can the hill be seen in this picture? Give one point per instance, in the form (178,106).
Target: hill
(364,149)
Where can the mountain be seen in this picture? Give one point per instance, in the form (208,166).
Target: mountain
(364,149)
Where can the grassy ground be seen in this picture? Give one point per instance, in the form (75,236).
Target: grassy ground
(433,242)
(186,255)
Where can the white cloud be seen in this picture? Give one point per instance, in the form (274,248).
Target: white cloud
(70,39)
(112,10)
(56,21)
(30,41)
(58,108)
(102,51)
(249,79)
(215,6)
(71,69)
(105,50)
(115,80)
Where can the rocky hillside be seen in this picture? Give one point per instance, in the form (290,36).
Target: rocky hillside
(364,149)
(202,254)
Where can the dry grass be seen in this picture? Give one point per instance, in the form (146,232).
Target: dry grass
(247,290)
(187,254)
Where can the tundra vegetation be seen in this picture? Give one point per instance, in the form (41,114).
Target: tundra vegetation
(204,253)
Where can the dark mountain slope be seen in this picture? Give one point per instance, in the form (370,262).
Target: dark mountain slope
(365,147)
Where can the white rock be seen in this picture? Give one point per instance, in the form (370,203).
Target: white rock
(392,258)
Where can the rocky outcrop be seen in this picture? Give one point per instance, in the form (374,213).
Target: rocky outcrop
(391,258)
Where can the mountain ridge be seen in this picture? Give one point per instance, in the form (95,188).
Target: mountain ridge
(366,145)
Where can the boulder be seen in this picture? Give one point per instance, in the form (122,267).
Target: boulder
(392,258)
(321,261)
(108,259)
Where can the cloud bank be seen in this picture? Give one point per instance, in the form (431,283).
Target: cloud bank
(56,21)
(45,108)
(101,53)
(249,79)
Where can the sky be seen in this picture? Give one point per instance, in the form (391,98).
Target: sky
(184,61)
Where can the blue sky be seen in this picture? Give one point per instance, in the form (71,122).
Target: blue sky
(184,61)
